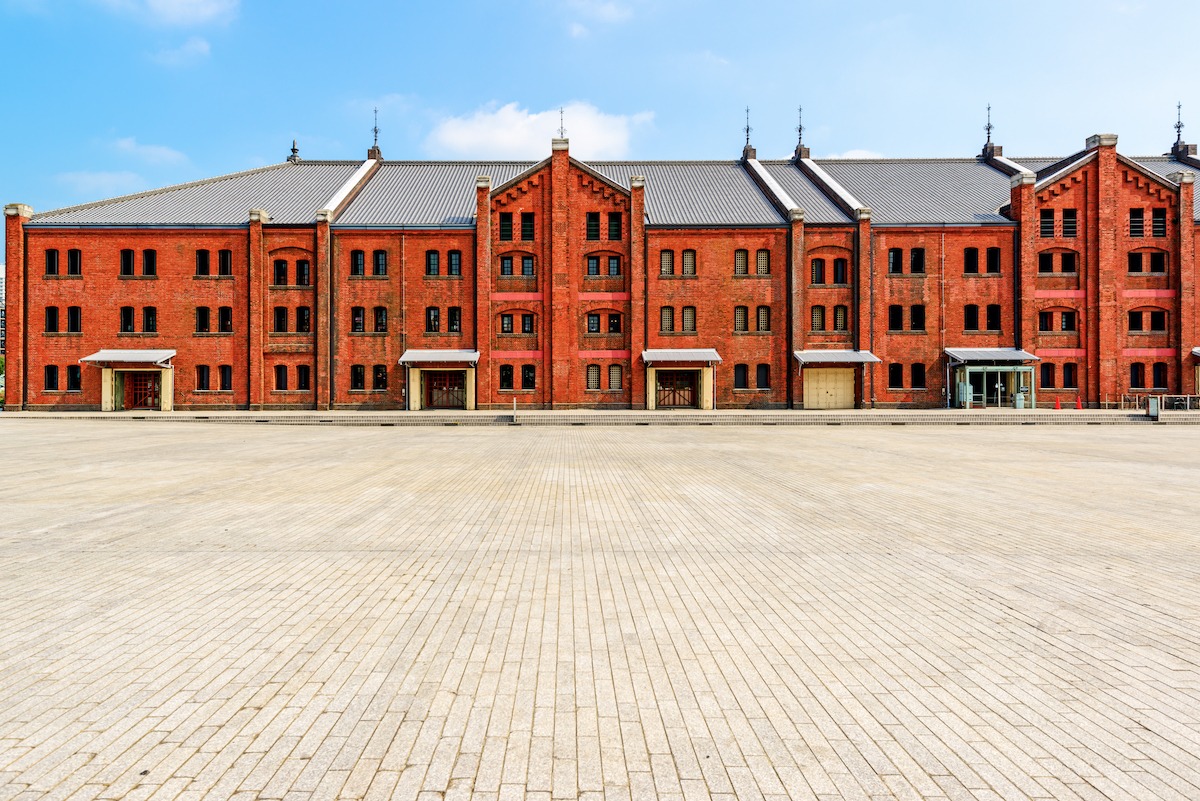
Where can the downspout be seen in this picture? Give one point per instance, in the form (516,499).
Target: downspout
(404,314)
(942,315)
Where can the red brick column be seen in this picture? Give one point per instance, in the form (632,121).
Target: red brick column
(865,311)
(322,348)
(256,278)
(1024,212)
(1104,278)
(639,319)
(485,380)
(562,328)
(1189,326)
(15,217)
(797,280)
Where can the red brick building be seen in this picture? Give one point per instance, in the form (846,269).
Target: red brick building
(561,284)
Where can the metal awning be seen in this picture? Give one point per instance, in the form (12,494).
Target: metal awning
(681,355)
(159,358)
(439,356)
(835,356)
(965,355)
(1196,351)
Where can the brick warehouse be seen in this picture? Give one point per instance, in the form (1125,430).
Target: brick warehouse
(560,284)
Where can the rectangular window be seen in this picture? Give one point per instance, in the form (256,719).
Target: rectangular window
(1135,262)
(225,371)
(454,263)
(528,376)
(1070,376)
(281,378)
(817,316)
(689,318)
(741,320)
(303,273)
(303,377)
(1045,320)
(358,377)
(593,265)
(839,318)
(614,376)
(817,271)
(1047,377)
(52,262)
(1045,262)
(202,375)
(526,323)
(1158,321)
(666,262)
(527,266)
(841,272)
(506,324)
(1159,374)
(971,317)
(74,267)
(358,319)
(506,265)
(432,262)
(381,316)
(74,378)
(379,377)
(993,260)
(74,319)
(1046,223)
(303,319)
(433,320)
(593,323)
(358,262)
(895,376)
(916,261)
(149,262)
(1137,222)
(1158,227)
(917,375)
(454,319)
(1137,376)
(762,262)
(916,317)
(1158,262)
(593,226)
(741,262)
(225,319)
(126,262)
(51,378)
(895,318)
(970,260)
(149,319)
(614,228)
(281,273)
(51,319)
(1068,262)
(762,376)
(202,264)
(379,262)
(506,226)
(281,320)
(614,265)
(1067,321)
(593,376)
(895,261)
(740,376)
(689,262)
(527,226)
(506,376)
(1135,321)
(224,262)
(614,323)
(126,320)
(1070,223)
(764,318)
(993,317)
(666,319)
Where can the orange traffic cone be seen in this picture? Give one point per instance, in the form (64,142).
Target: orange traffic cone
(1078,402)
(1057,403)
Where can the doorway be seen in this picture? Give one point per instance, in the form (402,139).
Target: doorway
(677,389)
(445,389)
(141,390)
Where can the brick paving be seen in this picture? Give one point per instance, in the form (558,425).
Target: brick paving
(197,611)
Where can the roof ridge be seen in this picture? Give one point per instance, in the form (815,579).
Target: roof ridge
(917,160)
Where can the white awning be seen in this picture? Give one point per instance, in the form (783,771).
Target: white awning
(964,355)
(681,355)
(439,356)
(155,357)
(835,356)
(1196,351)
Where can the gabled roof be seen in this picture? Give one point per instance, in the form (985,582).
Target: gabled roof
(425,193)
(1160,166)
(290,193)
(1164,166)
(924,191)
(818,208)
(696,192)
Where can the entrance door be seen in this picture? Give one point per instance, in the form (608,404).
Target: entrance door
(677,389)
(829,388)
(142,391)
(445,389)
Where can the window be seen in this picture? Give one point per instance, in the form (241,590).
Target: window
(841,271)
(454,262)
(993,317)
(281,378)
(224,262)
(593,265)
(358,261)
(1045,319)
(741,262)
(818,271)
(840,318)
(303,319)
(1048,379)
(506,227)
(741,320)
(916,261)
(666,319)
(1158,262)
(454,319)
(506,376)
(379,262)
(762,262)
(615,376)
(149,262)
(1045,262)
(971,260)
(74,319)
(358,377)
(1046,223)
(614,228)
(379,377)
(689,262)
(303,273)
(1070,225)
(281,320)
(506,265)
(225,319)
(740,379)
(432,265)
(51,380)
(1067,321)
(818,318)
(527,265)
(917,376)
(993,260)
(1158,321)
(895,318)
(281,273)
(126,320)
(689,318)
(1137,222)
(433,320)
(202,376)
(1135,262)
(526,323)
(895,376)
(74,378)
(762,376)
(202,265)
(225,371)
(506,324)
(1135,321)
(895,261)
(971,317)
(126,262)
(74,267)
(528,376)
(358,319)
(614,265)
(916,317)
(666,262)
(51,262)
(593,225)
(614,323)
(1158,227)
(527,226)
(1068,262)
(51,319)
(1137,376)
(149,319)
(764,318)
(1070,376)
(593,323)
(381,316)
(593,373)
(303,377)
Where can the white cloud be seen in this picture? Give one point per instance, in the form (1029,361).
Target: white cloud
(149,154)
(512,132)
(577,30)
(602,10)
(193,50)
(176,12)
(94,185)
(855,154)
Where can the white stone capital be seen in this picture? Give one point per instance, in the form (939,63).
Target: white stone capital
(18,210)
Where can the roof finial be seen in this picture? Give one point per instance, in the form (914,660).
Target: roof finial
(799,126)
(1179,123)
(295,157)
(989,125)
(375,129)
(562,131)
(748,128)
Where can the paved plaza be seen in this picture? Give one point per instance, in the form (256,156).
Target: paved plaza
(200,610)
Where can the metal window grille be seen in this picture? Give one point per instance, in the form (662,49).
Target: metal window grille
(593,376)
(666,317)
(1046,223)
(666,262)
(839,318)
(764,318)
(689,262)
(818,318)
(1137,222)
(614,376)
(740,318)
(762,262)
(527,226)
(741,261)
(689,318)
(593,225)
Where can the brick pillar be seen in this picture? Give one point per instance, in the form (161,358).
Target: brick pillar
(1189,326)
(563,326)
(639,318)
(797,275)
(485,378)
(15,217)
(1023,204)
(256,280)
(1104,278)
(864,312)
(323,326)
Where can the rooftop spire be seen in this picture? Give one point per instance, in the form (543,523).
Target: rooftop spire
(748,152)
(801,150)
(990,148)
(375,129)
(1179,123)
(989,125)
(562,131)
(295,157)
(375,152)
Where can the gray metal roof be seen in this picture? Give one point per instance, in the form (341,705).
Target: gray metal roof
(818,208)
(835,356)
(915,191)
(990,355)
(1164,166)
(425,193)
(417,356)
(680,355)
(290,193)
(1037,163)
(132,356)
(695,192)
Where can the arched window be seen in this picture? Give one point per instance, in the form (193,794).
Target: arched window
(741,318)
(764,318)
(666,318)
(689,262)
(762,262)
(689,318)
(839,318)
(1048,375)
(593,376)
(970,260)
(741,261)
(740,380)
(614,376)
(818,271)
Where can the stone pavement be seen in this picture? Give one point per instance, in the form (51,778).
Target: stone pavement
(197,611)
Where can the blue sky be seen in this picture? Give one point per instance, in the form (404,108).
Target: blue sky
(106,97)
